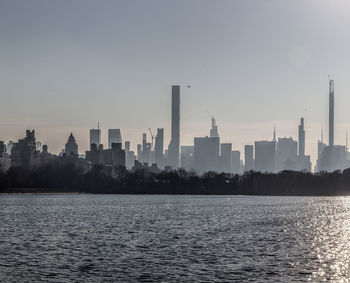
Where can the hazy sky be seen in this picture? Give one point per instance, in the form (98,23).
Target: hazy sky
(64,65)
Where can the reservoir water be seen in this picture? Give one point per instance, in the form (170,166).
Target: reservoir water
(122,238)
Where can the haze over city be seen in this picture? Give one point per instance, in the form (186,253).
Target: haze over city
(174,141)
(67,65)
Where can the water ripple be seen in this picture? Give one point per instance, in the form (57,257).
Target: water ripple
(99,238)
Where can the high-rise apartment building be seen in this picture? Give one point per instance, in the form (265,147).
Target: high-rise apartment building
(174,146)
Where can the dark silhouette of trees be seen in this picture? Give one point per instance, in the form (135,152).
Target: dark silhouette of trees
(66,177)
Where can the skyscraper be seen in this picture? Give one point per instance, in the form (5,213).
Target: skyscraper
(114,136)
(23,152)
(71,147)
(146,153)
(144,141)
(159,148)
(5,161)
(214,129)
(330,157)
(95,136)
(265,154)
(331,113)
(248,157)
(127,146)
(146,149)
(226,157)
(129,156)
(186,157)
(301,138)
(320,149)
(174,146)
(2,148)
(9,147)
(286,154)
(206,154)
(139,152)
(236,162)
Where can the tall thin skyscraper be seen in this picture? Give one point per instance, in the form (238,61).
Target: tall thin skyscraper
(174,146)
(331,113)
(144,141)
(248,157)
(139,152)
(159,148)
(301,138)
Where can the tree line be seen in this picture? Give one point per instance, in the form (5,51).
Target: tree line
(66,177)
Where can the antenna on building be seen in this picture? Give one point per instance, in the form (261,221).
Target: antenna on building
(346,141)
(98,125)
(322,134)
(274,132)
(211,117)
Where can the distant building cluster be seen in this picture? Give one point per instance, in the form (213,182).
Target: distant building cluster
(206,154)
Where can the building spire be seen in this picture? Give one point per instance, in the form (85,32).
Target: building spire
(274,132)
(346,140)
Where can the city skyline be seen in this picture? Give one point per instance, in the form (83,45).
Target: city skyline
(207,153)
(174,140)
(239,70)
(102,134)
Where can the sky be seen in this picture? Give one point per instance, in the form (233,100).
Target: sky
(65,65)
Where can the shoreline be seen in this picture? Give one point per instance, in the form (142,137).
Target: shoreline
(165,194)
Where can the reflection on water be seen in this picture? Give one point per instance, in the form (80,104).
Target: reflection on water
(90,238)
(328,235)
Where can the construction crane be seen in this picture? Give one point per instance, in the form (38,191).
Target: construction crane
(152,136)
